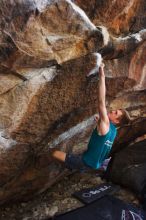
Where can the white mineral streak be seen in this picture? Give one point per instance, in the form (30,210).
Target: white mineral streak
(49,74)
(137,38)
(41,5)
(141,84)
(5,142)
(98,63)
(72,132)
(82,13)
(105,34)
(143,34)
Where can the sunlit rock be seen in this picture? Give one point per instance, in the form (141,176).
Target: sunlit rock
(46,99)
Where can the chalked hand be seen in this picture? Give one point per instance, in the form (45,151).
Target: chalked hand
(94,72)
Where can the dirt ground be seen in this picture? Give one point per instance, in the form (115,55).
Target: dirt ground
(59,199)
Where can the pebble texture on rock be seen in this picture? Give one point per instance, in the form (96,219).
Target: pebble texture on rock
(46,50)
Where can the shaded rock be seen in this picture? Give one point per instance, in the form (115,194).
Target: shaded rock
(51,201)
(127,167)
(46,100)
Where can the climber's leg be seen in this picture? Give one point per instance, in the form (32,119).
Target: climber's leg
(71,161)
(59,155)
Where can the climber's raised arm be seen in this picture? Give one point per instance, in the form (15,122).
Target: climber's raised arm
(103,122)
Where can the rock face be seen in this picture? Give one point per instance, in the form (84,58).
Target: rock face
(131,162)
(46,50)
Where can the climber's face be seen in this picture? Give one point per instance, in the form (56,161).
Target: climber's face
(115,116)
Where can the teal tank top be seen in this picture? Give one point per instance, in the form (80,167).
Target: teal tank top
(99,147)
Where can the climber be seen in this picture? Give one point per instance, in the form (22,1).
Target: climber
(102,137)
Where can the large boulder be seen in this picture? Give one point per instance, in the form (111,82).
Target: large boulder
(46,100)
(128,167)
(36,32)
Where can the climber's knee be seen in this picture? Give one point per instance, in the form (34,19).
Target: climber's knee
(59,155)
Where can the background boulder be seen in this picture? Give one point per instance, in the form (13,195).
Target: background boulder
(46,50)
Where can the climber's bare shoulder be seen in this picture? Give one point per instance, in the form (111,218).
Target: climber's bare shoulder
(103,126)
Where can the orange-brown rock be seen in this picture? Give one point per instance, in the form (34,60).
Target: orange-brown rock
(46,100)
(119,16)
(36,32)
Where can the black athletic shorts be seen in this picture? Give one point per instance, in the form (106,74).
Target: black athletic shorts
(75,162)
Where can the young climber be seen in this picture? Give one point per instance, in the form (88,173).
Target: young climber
(102,137)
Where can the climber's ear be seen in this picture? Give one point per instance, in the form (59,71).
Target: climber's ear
(96,118)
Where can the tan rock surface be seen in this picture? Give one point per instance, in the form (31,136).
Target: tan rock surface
(45,97)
